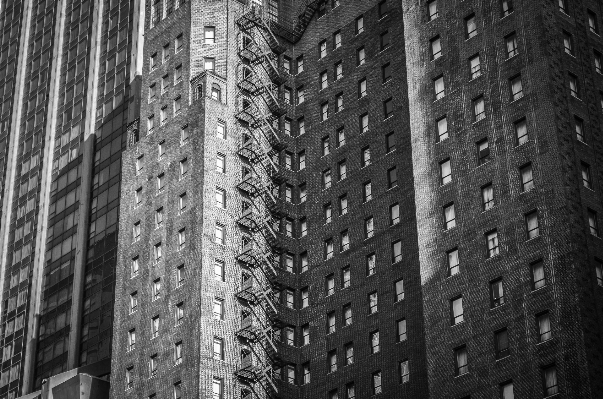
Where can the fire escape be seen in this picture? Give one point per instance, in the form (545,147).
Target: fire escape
(258,112)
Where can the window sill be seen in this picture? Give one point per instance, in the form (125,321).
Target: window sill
(478,121)
(544,342)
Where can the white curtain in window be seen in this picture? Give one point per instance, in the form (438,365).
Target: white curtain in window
(550,378)
(544,324)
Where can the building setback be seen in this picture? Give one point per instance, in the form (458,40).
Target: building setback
(66,84)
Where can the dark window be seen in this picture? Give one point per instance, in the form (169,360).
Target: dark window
(383,10)
(483,151)
(392,179)
(385,40)
(501,343)
(388,108)
(386,72)
(497,296)
(390,142)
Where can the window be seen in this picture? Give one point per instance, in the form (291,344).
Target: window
(460,355)
(165,52)
(453,262)
(527,178)
(288,262)
(487,197)
(516,88)
(563,6)
(209,64)
(131,339)
(598,62)
(183,201)
(153,361)
(177,390)
(364,123)
(328,212)
(432,10)
(221,130)
(337,39)
(549,375)
(218,309)
(401,330)
(288,160)
(599,272)
(521,131)
(386,72)
(301,160)
(392,177)
(456,310)
(362,88)
(568,43)
(367,194)
(579,127)
(344,241)
(396,251)
(511,41)
(349,353)
(181,239)
(133,302)
(332,361)
(328,244)
(593,223)
(183,167)
(492,243)
(305,297)
(343,205)
(388,108)
(359,25)
(449,217)
(390,142)
(129,377)
(306,373)
(399,289)
(155,327)
(347,314)
(165,82)
(475,68)
(324,81)
(290,373)
(370,264)
(340,137)
(544,326)
(152,92)
(179,275)
(438,85)
(303,260)
(157,252)
(585,170)
(483,152)
(574,86)
(342,169)
(178,353)
(345,277)
(326,179)
(360,56)
(532,225)
(305,334)
(338,70)
(497,297)
(134,267)
(220,163)
(507,7)
(385,40)
(136,231)
(287,64)
(322,49)
(300,64)
(501,343)
(153,61)
(217,388)
(436,48)
(394,214)
(404,371)
(151,123)
(445,171)
(326,146)
(479,111)
(183,135)
(592,22)
(538,277)
(383,9)
(442,128)
(288,95)
(218,348)
(372,302)
(377,383)
(330,322)
(471,26)
(220,232)
(324,111)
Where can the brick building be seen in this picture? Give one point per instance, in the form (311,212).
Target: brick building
(348,199)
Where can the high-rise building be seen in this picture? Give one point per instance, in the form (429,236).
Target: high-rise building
(66,81)
(363,198)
